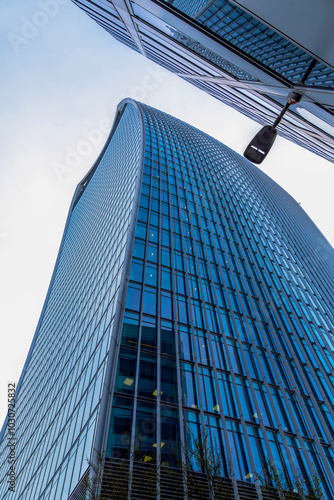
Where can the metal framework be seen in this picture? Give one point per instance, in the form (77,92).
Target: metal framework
(200,42)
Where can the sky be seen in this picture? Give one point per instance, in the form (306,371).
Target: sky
(61,79)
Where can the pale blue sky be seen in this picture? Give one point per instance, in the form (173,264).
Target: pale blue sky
(59,82)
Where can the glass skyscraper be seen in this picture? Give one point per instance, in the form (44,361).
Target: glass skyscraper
(247,53)
(191,292)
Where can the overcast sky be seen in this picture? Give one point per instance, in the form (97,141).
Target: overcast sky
(61,79)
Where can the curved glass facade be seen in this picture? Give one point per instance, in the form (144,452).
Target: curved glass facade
(228,320)
(58,400)
(199,294)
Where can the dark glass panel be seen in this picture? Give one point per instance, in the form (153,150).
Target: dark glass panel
(147,385)
(170,449)
(166,305)
(166,279)
(120,428)
(168,380)
(189,386)
(186,345)
(125,378)
(167,338)
(145,441)
(148,334)
(130,329)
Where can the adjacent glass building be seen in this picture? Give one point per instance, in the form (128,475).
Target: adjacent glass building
(247,53)
(190,292)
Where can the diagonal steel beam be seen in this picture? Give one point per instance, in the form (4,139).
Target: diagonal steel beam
(125,13)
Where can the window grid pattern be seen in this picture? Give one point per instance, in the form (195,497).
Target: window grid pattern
(262,43)
(211,56)
(189,8)
(227,325)
(228,319)
(183,57)
(109,20)
(58,401)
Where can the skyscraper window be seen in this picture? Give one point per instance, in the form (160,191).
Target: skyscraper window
(192,296)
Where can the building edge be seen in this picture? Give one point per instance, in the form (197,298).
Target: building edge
(77,194)
(101,431)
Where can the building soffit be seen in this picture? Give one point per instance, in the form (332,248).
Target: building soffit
(267,84)
(274,83)
(124,10)
(306,23)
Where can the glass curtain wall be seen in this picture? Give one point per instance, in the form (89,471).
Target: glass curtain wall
(59,393)
(215,290)
(227,323)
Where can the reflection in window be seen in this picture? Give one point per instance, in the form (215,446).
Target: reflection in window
(166,305)
(145,432)
(166,279)
(193,433)
(167,338)
(133,297)
(182,309)
(189,386)
(238,451)
(148,334)
(219,352)
(166,238)
(138,249)
(126,371)
(209,397)
(202,349)
(180,284)
(130,329)
(150,301)
(168,380)
(258,447)
(151,275)
(141,231)
(170,449)
(152,253)
(165,257)
(153,234)
(227,395)
(120,428)
(136,271)
(147,376)
(186,347)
